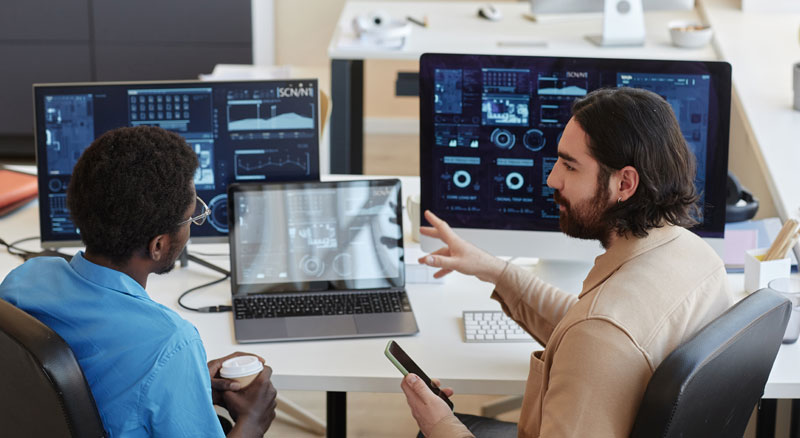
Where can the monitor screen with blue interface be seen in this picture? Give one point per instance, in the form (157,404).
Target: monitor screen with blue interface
(490,127)
(241,131)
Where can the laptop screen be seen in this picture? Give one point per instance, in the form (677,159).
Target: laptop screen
(315,236)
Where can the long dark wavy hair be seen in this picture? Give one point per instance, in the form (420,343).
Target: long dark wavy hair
(635,127)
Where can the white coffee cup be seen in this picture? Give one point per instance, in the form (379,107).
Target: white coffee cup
(412,208)
(242,369)
(796,74)
(790,288)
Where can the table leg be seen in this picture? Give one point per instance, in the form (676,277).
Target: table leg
(795,419)
(336,407)
(347,116)
(765,418)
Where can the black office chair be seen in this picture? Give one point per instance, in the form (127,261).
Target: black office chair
(43,392)
(709,386)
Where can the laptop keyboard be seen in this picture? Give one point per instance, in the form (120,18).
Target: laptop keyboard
(305,304)
(492,326)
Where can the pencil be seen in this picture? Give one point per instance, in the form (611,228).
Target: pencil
(423,23)
(787,232)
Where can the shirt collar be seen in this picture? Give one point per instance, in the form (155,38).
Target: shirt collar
(624,249)
(106,277)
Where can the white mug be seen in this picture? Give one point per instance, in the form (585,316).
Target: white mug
(412,208)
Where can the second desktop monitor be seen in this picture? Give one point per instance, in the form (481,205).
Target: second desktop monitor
(241,131)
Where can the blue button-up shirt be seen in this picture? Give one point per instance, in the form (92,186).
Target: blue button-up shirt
(146,366)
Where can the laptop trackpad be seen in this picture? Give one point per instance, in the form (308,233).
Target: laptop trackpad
(320,326)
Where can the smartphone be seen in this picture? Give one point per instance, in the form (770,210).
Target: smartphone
(404,363)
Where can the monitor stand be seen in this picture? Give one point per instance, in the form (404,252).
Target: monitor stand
(567,275)
(623,24)
(185,257)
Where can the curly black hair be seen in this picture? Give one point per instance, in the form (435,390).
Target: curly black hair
(130,185)
(635,127)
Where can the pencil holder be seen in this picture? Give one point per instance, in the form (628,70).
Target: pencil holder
(757,273)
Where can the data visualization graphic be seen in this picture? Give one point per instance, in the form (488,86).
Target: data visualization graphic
(69,129)
(569,83)
(256,115)
(447,93)
(513,189)
(258,164)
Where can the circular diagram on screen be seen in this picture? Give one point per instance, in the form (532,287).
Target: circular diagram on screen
(219,212)
(312,265)
(343,264)
(462,178)
(503,139)
(55,185)
(514,180)
(534,140)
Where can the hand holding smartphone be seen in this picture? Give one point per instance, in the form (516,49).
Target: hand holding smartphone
(400,359)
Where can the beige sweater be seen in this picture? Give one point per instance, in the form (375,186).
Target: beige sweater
(642,299)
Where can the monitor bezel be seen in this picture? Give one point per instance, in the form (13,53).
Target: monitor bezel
(712,230)
(41,165)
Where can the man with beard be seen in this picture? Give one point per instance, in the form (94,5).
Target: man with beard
(133,199)
(624,177)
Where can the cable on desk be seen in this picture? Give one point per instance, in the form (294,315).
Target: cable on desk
(13,249)
(206,309)
(211,254)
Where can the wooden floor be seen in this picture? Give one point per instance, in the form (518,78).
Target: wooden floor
(371,414)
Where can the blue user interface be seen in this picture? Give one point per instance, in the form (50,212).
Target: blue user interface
(490,127)
(241,131)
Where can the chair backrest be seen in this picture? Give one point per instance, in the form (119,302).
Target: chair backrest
(709,385)
(43,391)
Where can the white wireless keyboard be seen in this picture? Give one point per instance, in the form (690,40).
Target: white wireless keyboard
(492,326)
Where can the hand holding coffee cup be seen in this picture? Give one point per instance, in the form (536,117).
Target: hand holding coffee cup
(242,369)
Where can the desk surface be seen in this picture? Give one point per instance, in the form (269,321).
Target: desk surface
(359,364)
(454,27)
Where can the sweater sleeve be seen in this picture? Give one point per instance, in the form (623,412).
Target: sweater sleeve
(596,383)
(535,305)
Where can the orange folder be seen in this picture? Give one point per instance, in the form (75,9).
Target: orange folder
(16,189)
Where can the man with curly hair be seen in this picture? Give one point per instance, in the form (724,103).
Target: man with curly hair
(624,177)
(133,200)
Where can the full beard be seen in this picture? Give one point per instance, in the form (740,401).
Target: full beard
(586,220)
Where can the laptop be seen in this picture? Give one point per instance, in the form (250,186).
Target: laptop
(317,260)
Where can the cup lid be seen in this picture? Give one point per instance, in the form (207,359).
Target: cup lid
(786,285)
(240,366)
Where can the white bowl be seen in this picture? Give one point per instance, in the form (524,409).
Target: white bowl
(689,34)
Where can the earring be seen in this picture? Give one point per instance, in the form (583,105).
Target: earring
(619,200)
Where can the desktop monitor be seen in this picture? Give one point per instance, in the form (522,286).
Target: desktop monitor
(490,126)
(589,6)
(241,131)
(623,20)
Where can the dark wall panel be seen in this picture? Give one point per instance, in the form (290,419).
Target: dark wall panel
(85,40)
(44,20)
(155,21)
(24,64)
(142,63)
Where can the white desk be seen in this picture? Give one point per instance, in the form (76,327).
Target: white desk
(761,48)
(454,27)
(339,366)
